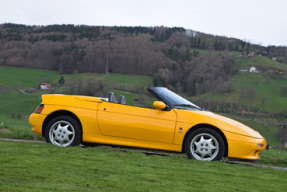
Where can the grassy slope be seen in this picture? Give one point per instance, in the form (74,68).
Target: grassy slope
(14,102)
(260,61)
(44,167)
(270,89)
(204,51)
(16,78)
(126,80)
(264,86)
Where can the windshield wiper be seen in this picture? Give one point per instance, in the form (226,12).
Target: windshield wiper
(188,106)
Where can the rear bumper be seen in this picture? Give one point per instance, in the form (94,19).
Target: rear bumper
(36,121)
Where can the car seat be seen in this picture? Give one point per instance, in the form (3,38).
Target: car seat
(111,97)
(122,100)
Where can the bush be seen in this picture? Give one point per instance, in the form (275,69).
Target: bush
(18,115)
(90,87)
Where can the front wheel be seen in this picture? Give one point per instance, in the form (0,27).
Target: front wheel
(205,144)
(63,131)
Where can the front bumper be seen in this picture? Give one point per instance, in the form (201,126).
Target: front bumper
(243,150)
(243,147)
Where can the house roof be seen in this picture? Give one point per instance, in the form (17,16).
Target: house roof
(47,85)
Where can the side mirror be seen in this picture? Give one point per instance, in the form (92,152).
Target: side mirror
(159,105)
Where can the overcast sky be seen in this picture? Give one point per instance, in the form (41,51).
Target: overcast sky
(258,21)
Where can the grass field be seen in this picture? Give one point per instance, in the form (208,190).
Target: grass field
(264,85)
(271,90)
(43,167)
(260,61)
(14,103)
(275,157)
(16,78)
(204,51)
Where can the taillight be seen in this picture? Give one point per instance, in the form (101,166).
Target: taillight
(260,145)
(39,109)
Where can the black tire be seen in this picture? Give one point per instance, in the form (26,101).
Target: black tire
(205,144)
(63,131)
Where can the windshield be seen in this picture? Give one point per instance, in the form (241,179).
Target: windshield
(174,100)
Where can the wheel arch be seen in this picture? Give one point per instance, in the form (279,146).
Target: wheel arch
(199,126)
(56,114)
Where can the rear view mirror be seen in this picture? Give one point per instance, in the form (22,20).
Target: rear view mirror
(159,105)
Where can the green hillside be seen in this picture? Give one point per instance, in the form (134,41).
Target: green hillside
(15,106)
(14,103)
(260,61)
(17,78)
(263,90)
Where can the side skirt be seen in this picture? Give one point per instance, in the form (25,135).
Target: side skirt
(100,139)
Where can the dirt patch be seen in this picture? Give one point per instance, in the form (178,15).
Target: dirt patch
(5,130)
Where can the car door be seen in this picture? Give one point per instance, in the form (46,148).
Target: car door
(125,121)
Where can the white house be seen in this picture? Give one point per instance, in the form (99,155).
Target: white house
(46,86)
(253,70)
(190,32)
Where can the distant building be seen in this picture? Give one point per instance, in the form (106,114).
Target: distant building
(46,86)
(248,54)
(190,32)
(253,70)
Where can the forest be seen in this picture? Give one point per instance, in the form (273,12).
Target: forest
(183,60)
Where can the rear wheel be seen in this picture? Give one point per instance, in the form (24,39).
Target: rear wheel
(204,144)
(63,131)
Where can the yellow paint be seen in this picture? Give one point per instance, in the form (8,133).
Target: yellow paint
(159,105)
(136,123)
(117,124)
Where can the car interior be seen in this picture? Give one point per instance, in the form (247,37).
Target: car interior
(112,98)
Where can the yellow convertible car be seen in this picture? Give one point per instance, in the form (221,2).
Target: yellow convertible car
(174,124)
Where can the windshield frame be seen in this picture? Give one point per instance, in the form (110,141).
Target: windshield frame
(171,99)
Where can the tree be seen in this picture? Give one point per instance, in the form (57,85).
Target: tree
(62,81)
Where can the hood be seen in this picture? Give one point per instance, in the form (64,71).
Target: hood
(221,122)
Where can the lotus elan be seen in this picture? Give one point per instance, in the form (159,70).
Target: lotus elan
(173,124)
